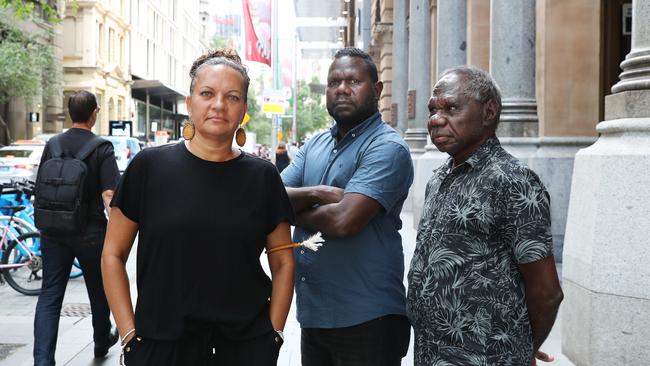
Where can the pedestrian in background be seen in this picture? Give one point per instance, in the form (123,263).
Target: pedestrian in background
(350,183)
(265,153)
(204,212)
(60,247)
(483,289)
(292,150)
(281,156)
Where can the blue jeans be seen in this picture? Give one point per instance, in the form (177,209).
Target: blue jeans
(58,254)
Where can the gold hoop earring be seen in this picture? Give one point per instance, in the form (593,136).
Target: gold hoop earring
(240,136)
(188,130)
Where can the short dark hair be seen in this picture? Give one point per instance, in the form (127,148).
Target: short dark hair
(81,106)
(479,85)
(221,56)
(356,52)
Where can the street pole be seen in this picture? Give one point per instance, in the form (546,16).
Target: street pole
(275,66)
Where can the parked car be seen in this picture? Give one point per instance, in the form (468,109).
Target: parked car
(20,160)
(125,149)
(45,136)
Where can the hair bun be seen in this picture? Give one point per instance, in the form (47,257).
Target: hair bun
(227,53)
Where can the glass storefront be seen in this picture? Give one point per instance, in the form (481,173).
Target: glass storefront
(165,121)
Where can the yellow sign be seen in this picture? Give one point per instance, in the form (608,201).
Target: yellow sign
(280,135)
(273,101)
(276,108)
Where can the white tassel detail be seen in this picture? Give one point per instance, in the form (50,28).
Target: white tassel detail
(314,242)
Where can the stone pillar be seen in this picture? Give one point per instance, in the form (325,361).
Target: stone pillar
(400,68)
(452,35)
(366,33)
(419,79)
(478,33)
(512,64)
(606,276)
(17,118)
(425,163)
(636,73)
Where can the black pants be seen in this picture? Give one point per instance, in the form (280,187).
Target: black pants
(58,254)
(204,349)
(379,342)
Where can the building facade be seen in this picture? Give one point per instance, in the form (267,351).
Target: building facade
(563,66)
(166,38)
(554,60)
(95,58)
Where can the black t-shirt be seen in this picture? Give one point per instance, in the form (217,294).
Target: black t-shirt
(102,169)
(202,229)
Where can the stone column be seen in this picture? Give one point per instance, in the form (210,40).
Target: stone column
(452,35)
(400,66)
(419,79)
(636,73)
(606,276)
(432,158)
(478,33)
(512,64)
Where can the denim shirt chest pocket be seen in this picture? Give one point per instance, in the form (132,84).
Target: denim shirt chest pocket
(342,162)
(340,172)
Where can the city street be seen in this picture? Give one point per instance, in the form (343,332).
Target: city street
(75,347)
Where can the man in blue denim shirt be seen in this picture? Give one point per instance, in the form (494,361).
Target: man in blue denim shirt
(350,184)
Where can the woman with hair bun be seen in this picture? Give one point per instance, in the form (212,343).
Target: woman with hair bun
(204,212)
(281,156)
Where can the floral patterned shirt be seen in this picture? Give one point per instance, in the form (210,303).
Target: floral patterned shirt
(466,296)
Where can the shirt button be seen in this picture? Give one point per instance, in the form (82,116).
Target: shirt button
(302,279)
(302,251)
(334,151)
(353,135)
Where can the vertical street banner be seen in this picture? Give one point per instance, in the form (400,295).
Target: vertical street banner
(257,30)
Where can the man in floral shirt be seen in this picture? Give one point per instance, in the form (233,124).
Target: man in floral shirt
(483,289)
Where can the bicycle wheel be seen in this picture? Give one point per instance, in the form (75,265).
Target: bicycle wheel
(28,278)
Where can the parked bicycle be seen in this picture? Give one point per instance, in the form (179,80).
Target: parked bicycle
(21,224)
(21,264)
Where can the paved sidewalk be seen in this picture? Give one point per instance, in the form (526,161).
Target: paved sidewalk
(75,347)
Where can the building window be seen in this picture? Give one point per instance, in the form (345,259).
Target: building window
(100,40)
(121,58)
(111,45)
(148,58)
(120,111)
(170,70)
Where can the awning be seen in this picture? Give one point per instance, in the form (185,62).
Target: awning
(158,92)
(322,23)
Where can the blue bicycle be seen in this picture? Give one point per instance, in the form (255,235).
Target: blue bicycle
(21,264)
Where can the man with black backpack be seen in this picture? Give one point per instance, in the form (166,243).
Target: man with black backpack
(74,186)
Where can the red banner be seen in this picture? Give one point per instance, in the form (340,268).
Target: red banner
(257,28)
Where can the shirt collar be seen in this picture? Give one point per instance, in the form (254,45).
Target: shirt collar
(358,129)
(477,159)
(483,152)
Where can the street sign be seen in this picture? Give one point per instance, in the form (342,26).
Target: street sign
(120,128)
(33,116)
(274,101)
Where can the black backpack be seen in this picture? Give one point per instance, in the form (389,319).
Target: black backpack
(60,204)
